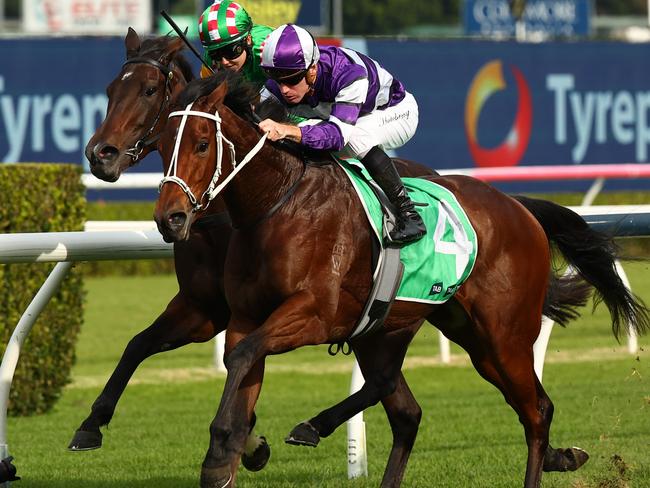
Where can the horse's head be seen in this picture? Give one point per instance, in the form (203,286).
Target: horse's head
(138,103)
(199,157)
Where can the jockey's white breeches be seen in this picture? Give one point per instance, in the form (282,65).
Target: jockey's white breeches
(389,128)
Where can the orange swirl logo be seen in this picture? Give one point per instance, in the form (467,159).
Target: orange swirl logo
(486,82)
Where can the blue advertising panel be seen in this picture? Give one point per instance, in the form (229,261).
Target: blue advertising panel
(481,103)
(52,95)
(547,17)
(505,103)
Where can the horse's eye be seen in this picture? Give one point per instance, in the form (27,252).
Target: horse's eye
(203,146)
(150,91)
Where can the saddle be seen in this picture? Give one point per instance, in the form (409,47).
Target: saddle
(429,270)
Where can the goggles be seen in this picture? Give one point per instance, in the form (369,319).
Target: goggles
(289,77)
(229,52)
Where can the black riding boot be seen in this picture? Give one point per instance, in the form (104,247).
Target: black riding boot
(409,226)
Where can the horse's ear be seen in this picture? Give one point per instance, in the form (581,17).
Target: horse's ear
(132,43)
(174,46)
(218,94)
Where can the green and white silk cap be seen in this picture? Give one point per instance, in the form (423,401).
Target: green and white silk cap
(223,23)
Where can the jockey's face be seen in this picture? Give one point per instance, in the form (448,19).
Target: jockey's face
(225,59)
(234,64)
(295,93)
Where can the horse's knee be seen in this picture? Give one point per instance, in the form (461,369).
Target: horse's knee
(241,355)
(143,344)
(384,385)
(406,422)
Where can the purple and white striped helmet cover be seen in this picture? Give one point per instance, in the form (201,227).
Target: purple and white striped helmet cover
(289,47)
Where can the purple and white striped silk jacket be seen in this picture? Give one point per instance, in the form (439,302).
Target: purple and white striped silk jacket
(348,86)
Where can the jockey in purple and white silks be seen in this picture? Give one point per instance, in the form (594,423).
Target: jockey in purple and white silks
(355,108)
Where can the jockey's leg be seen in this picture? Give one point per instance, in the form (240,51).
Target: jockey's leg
(409,226)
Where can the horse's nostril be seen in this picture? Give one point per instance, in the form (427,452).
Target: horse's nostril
(177,220)
(107,153)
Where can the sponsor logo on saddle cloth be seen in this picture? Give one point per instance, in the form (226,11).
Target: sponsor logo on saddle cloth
(436,265)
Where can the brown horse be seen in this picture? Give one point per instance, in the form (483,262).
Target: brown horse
(138,106)
(154,72)
(285,290)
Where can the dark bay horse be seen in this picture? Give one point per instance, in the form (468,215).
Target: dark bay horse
(154,72)
(138,106)
(286,290)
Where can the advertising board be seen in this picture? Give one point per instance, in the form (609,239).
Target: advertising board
(541,18)
(89,17)
(481,103)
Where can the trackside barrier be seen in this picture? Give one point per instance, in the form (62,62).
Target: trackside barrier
(64,248)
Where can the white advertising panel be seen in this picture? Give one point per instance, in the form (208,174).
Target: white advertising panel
(88,17)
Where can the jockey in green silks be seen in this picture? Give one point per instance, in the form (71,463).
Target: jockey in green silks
(231,41)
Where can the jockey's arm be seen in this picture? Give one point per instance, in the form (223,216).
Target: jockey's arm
(334,133)
(279,131)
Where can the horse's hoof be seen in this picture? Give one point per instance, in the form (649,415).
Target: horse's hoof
(303,434)
(215,477)
(84,440)
(569,459)
(259,458)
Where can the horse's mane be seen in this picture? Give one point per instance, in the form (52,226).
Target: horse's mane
(240,97)
(157,47)
(271,108)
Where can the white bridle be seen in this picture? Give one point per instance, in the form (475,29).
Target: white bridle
(213,189)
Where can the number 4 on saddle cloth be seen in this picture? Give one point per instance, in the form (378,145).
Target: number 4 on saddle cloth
(429,270)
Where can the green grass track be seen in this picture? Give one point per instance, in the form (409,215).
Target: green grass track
(468,436)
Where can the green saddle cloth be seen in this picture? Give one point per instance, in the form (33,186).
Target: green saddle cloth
(436,265)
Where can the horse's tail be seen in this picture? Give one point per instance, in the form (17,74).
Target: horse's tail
(564,295)
(593,255)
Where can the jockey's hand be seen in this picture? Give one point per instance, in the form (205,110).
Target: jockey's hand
(277,131)
(274,129)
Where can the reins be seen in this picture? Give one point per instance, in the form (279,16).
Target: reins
(145,141)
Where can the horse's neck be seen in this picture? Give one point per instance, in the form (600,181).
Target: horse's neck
(256,190)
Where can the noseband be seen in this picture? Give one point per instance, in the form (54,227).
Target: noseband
(144,142)
(213,189)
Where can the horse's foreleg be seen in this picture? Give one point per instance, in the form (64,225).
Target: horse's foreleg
(243,419)
(294,324)
(179,324)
